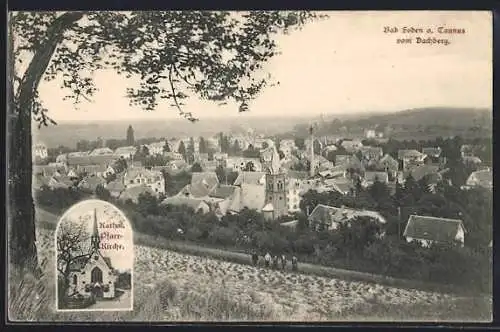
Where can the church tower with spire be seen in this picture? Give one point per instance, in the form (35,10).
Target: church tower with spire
(94,239)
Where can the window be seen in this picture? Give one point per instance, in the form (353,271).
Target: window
(295,207)
(138,180)
(270,198)
(131,181)
(281,198)
(75,280)
(96,275)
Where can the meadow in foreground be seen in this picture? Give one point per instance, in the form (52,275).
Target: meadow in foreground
(170,286)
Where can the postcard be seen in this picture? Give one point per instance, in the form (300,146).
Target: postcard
(263,166)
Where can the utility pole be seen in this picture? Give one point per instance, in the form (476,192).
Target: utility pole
(399,223)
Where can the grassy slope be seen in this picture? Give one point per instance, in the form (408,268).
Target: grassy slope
(165,300)
(48,220)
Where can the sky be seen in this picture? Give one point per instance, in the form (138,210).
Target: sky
(344,64)
(84,212)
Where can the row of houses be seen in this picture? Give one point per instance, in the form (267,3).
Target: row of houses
(425,230)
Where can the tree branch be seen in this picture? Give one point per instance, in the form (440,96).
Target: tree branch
(41,58)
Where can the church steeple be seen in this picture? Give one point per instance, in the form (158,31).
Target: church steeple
(94,240)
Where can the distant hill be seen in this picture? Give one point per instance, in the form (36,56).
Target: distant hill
(69,133)
(418,123)
(453,117)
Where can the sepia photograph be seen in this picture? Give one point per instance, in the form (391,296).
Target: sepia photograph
(250,166)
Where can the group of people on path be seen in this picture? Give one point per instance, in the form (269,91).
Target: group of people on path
(277,261)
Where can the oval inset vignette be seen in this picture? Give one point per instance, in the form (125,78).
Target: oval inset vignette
(94,251)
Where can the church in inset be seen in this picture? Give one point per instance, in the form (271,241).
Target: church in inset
(93,274)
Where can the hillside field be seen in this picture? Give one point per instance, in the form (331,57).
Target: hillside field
(172,286)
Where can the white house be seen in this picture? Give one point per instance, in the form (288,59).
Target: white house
(427,230)
(156,148)
(40,151)
(295,181)
(370,133)
(93,273)
(126,152)
(482,178)
(138,176)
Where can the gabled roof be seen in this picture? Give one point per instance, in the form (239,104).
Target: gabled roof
(388,161)
(202,183)
(249,178)
(222,191)
(432,228)
(419,172)
(329,214)
(485,177)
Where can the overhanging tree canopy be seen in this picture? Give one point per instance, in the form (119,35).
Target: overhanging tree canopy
(170,55)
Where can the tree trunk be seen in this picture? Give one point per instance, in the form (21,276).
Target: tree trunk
(22,238)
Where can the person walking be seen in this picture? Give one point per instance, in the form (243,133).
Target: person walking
(255,258)
(275,261)
(267,259)
(283,262)
(294,263)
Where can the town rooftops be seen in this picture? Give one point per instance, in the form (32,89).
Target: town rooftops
(341,185)
(411,153)
(91,159)
(432,151)
(432,228)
